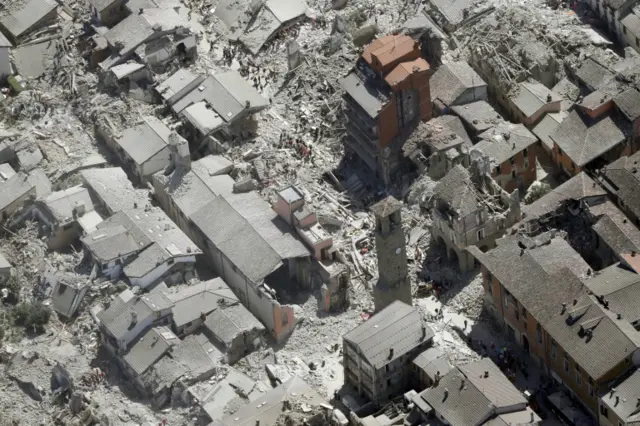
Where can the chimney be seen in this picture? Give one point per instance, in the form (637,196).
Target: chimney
(638,403)
(135,205)
(80,209)
(486,374)
(619,316)
(462,384)
(617,400)
(564,308)
(390,353)
(134,318)
(140,11)
(633,253)
(575,302)
(549,97)
(532,418)
(424,332)
(446,393)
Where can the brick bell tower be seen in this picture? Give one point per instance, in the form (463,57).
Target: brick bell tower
(393,273)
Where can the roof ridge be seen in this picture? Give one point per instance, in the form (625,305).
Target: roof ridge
(388,324)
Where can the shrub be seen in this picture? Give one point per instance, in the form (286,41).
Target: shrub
(33,314)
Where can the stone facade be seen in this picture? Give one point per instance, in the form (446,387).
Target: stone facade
(393,278)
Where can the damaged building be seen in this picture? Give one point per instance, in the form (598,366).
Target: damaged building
(64,216)
(129,315)
(112,190)
(470,208)
(19,23)
(219,105)
(254,24)
(152,36)
(455,83)
(201,197)
(512,151)
(144,245)
(213,309)
(436,146)
(143,148)
(20,187)
(386,96)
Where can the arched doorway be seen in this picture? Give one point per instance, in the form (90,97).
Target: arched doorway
(453,256)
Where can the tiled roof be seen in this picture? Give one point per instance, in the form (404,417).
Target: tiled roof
(433,362)
(593,74)
(479,115)
(391,49)
(451,80)
(495,387)
(146,261)
(227,93)
(530,284)
(404,70)
(629,102)
(206,299)
(386,206)
(504,141)
(623,398)
(584,143)
(268,408)
(623,176)
(150,348)
(457,191)
(111,243)
(20,21)
(114,189)
(62,204)
(13,188)
(530,97)
(237,222)
(618,232)
(548,125)
(398,327)
(460,403)
(177,82)
(144,140)
(231,320)
(236,239)
(618,336)
(117,318)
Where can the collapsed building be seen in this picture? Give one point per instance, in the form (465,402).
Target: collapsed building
(436,146)
(152,36)
(64,216)
(254,24)
(470,208)
(386,96)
